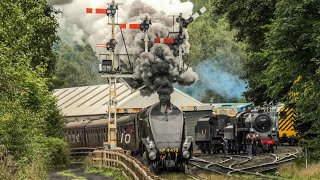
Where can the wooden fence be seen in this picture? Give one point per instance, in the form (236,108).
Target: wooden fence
(122,160)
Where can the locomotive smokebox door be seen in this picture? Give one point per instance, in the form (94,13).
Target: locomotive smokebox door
(213,120)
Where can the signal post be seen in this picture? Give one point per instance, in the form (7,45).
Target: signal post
(110,71)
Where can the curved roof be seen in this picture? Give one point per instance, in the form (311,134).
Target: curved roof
(93,100)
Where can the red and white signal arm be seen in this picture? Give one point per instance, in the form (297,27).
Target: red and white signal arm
(164,40)
(129,26)
(96,10)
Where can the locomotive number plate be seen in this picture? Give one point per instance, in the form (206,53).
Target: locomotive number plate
(164,150)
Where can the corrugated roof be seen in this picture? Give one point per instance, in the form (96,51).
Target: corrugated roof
(93,100)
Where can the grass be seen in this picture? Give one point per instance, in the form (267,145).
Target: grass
(173,175)
(293,171)
(115,173)
(68,173)
(77,160)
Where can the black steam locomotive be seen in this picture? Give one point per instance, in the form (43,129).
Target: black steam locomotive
(159,138)
(210,130)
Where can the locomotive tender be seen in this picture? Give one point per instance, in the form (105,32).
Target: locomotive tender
(210,131)
(159,138)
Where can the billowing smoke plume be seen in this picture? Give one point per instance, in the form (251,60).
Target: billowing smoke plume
(155,70)
(215,79)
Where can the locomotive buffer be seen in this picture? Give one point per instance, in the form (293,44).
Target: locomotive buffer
(110,71)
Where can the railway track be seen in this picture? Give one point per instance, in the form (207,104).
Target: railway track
(242,164)
(210,166)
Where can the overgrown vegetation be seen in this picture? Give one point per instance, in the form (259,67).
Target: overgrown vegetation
(283,40)
(77,65)
(115,173)
(30,123)
(294,171)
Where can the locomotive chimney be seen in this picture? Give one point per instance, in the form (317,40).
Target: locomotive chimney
(165,106)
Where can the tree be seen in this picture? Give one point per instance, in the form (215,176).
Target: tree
(30,121)
(251,18)
(35,24)
(293,73)
(77,65)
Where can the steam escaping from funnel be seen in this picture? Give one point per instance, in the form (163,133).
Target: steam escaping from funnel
(155,70)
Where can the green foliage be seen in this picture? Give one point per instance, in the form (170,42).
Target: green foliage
(108,172)
(35,168)
(298,171)
(251,18)
(293,73)
(29,29)
(57,150)
(30,121)
(217,43)
(77,66)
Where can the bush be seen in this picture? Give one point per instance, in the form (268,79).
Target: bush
(57,151)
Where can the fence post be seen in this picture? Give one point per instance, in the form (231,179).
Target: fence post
(306,153)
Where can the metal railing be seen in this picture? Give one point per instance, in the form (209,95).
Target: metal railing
(122,160)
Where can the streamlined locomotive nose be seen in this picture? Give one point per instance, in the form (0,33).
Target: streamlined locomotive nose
(167,128)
